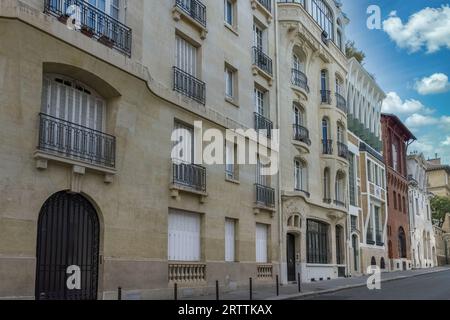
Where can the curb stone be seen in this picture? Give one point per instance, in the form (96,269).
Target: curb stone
(347,287)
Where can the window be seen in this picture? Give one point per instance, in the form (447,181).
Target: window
(402,243)
(230,82)
(417,207)
(297,63)
(263,180)
(231,166)
(184,146)
(258,36)
(339,40)
(339,86)
(229,12)
(299,115)
(404,205)
(352,179)
(300,175)
(186,56)
(354,223)
(230,240)
(377,224)
(259,101)
(317,242)
(377,175)
(262,243)
(399,202)
(323,15)
(340,133)
(71,101)
(324,80)
(395,154)
(184,236)
(325,130)
(340,188)
(369,171)
(110,7)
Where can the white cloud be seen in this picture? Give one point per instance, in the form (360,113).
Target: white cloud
(394,104)
(446,142)
(429,28)
(417,120)
(436,83)
(445,120)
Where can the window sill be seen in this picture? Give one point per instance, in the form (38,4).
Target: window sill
(232,101)
(233,29)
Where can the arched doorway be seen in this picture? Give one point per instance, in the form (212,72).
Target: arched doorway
(291,258)
(67,249)
(373,261)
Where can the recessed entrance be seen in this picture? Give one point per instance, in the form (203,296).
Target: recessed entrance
(67,249)
(291,258)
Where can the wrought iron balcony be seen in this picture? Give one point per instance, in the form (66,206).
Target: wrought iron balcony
(193,8)
(189,175)
(262,123)
(325,96)
(300,79)
(327,146)
(189,85)
(265,195)
(94,23)
(266,4)
(262,61)
(70,140)
(342,150)
(301,134)
(341,103)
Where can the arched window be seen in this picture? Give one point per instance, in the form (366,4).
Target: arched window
(317,242)
(299,115)
(402,243)
(326,186)
(70,100)
(301,175)
(340,133)
(299,78)
(382,264)
(297,63)
(323,15)
(373,261)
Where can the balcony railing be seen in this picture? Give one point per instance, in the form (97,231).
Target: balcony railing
(262,123)
(300,79)
(70,140)
(94,23)
(187,272)
(342,150)
(327,146)
(189,85)
(341,103)
(189,175)
(266,4)
(302,2)
(194,8)
(262,61)
(301,134)
(325,96)
(265,196)
(265,271)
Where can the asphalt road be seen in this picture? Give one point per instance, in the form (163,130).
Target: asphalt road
(435,286)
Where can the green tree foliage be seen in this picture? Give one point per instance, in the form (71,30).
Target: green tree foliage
(352,51)
(440,206)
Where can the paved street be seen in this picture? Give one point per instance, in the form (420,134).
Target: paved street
(435,286)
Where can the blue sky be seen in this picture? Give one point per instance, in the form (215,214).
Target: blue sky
(410,58)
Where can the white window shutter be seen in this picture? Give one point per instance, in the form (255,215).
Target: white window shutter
(261,243)
(184,236)
(230,240)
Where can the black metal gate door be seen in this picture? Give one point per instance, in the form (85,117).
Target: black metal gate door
(68,236)
(291,257)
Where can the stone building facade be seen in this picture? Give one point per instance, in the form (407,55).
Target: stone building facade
(438,177)
(396,138)
(442,236)
(367,177)
(312,68)
(423,244)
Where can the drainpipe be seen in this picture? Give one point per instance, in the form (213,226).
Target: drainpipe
(278,117)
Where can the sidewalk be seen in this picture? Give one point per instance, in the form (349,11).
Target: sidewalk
(309,289)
